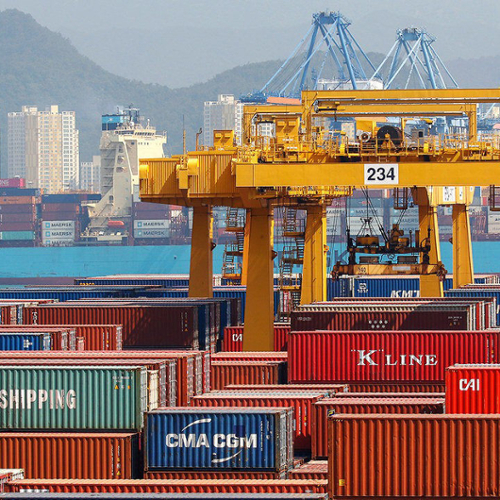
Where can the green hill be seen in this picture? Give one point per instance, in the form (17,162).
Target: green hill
(41,67)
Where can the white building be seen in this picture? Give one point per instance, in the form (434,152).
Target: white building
(227,114)
(90,175)
(43,148)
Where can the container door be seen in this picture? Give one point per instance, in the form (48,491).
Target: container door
(119,338)
(282,450)
(199,374)
(153,389)
(143,381)
(172,383)
(46,342)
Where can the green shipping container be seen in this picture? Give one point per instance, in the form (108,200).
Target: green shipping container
(72,397)
(17,235)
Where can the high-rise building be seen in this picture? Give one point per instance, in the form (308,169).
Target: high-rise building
(224,114)
(43,148)
(90,175)
(227,114)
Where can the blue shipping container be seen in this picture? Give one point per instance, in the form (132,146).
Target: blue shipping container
(219,439)
(25,342)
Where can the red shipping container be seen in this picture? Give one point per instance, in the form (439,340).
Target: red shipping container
(17,218)
(315,469)
(302,404)
(485,306)
(62,455)
(431,456)
(247,372)
(233,338)
(409,387)
(60,216)
(473,389)
(382,317)
(167,486)
(99,337)
(19,200)
(60,207)
(18,226)
(27,208)
(13,182)
(338,406)
(385,395)
(250,356)
(331,388)
(398,356)
(143,326)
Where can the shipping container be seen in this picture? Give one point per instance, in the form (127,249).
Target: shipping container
(314,469)
(328,388)
(396,387)
(13,182)
(379,356)
(61,338)
(219,439)
(25,341)
(480,292)
(301,403)
(76,398)
(326,408)
(163,280)
(17,235)
(251,356)
(212,475)
(473,389)
(168,496)
(233,338)
(438,456)
(246,372)
(65,455)
(143,326)
(186,376)
(203,487)
(364,316)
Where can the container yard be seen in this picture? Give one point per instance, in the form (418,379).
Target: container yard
(316,344)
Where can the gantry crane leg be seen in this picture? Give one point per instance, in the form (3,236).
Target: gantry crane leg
(430,284)
(463,270)
(258,334)
(201,267)
(314,268)
(244,264)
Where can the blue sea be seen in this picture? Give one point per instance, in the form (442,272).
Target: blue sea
(97,261)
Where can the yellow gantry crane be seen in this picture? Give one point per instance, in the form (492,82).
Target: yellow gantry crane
(304,165)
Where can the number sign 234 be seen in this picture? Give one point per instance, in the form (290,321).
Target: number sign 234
(386,173)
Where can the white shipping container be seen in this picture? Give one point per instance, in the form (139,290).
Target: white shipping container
(494,222)
(58,224)
(58,235)
(151,233)
(152,224)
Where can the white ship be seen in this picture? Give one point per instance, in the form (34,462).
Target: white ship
(124,141)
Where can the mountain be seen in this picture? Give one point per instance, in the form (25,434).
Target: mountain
(40,67)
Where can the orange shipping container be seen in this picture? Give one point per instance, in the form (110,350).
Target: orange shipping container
(166,486)
(340,405)
(224,373)
(438,456)
(315,469)
(71,455)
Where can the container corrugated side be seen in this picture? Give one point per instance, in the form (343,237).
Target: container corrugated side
(203,487)
(215,439)
(143,326)
(473,389)
(233,338)
(212,475)
(25,341)
(398,387)
(71,455)
(315,469)
(439,456)
(398,356)
(246,372)
(382,317)
(335,406)
(76,398)
(301,402)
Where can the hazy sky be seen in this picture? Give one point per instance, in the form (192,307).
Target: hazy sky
(179,43)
